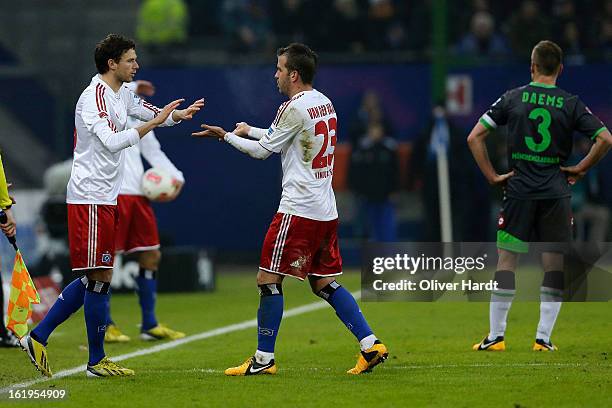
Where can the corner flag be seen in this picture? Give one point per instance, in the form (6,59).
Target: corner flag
(23,294)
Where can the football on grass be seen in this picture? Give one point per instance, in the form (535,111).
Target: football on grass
(157,184)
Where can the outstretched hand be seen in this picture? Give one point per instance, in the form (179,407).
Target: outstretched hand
(210,131)
(187,113)
(164,113)
(242,129)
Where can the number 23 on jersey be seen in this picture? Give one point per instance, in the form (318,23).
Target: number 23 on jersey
(325,157)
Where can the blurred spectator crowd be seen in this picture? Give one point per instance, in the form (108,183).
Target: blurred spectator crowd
(474,27)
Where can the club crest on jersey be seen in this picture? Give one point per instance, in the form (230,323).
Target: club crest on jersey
(501,221)
(106,258)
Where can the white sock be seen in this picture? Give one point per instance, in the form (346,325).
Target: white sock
(263,357)
(501,300)
(550,305)
(367,342)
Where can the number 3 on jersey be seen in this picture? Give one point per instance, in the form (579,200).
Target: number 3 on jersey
(543,130)
(328,131)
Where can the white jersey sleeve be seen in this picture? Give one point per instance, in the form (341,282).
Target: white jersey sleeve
(285,127)
(257,133)
(95,117)
(140,109)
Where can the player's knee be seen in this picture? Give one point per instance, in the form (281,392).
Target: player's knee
(150,259)
(270,289)
(102,275)
(327,291)
(264,278)
(507,260)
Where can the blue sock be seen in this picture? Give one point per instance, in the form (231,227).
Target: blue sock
(96,318)
(147,292)
(269,316)
(110,318)
(347,309)
(68,302)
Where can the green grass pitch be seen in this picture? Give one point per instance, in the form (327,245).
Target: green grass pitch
(431,362)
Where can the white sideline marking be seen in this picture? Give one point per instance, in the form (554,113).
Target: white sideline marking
(175,343)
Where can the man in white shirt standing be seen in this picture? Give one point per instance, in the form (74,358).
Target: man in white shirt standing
(100,137)
(302,240)
(137,232)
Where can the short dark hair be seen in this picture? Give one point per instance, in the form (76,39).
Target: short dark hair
(112,47)
(302,59)
(547,56)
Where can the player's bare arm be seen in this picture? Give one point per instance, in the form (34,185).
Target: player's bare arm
(599,149)
(476,142)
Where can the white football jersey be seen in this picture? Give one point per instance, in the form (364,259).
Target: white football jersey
(100,136)
(150,149)
(304,132)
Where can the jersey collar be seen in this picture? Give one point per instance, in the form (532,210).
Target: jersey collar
(96,78)
(541,85)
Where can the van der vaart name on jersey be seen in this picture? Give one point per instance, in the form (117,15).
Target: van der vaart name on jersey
(433,284)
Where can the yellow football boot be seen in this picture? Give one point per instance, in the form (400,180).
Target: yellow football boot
(370,358)
(541,345)
(161,332)
(108,368)
(114,335)
(490,345)
(37,353)
(252,367)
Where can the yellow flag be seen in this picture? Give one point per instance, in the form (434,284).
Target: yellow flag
(23,295)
